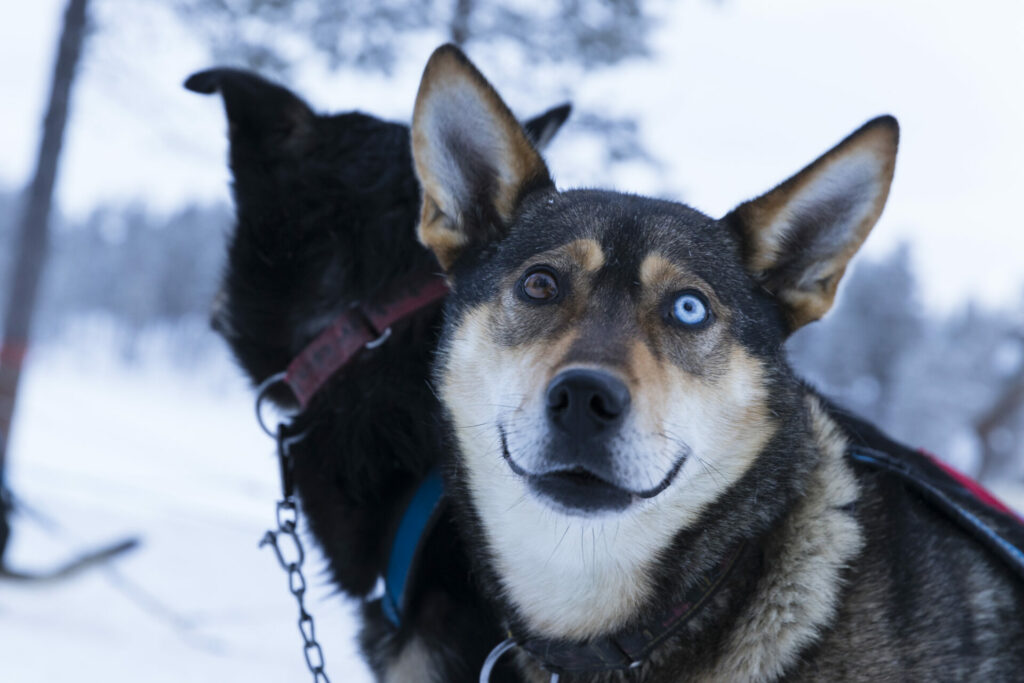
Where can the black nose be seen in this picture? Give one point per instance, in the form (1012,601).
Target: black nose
(584,403)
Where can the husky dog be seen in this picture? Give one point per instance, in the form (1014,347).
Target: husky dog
(326,211)
(647,491)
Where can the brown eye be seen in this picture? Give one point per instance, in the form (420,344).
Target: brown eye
(539,285)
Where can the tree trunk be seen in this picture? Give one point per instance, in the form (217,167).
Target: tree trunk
(1002,412)
(30,252)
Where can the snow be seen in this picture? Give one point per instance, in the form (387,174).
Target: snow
(102,451)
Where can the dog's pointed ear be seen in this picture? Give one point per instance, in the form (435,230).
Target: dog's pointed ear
(541,129)
(257,110)
(473,158)
(799,237)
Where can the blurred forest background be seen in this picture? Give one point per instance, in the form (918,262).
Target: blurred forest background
(952,382)
(135,274)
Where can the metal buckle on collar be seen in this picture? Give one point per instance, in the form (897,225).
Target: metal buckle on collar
(367,320)
(384,336)
(261,394)
(496,654)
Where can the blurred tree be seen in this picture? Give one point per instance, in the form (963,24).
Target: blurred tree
(998,427)
(369,34)
(954,385)
(944,381)
(268,35)
(855,353)
(143,270)
(32,237)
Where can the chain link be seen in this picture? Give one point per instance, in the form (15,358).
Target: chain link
(291,559)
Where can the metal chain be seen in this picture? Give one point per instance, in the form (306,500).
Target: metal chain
(291,561)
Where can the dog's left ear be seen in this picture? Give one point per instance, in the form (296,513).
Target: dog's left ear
(799,237)
(542,128)
(473,158)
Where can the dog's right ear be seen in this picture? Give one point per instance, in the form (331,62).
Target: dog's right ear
(473,158)
(258,110)
(799,237)
(542,128)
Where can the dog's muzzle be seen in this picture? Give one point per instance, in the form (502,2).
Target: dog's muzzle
(585,407)
(578,466)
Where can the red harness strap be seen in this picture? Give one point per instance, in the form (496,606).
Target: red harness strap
(364,325)
(976,489)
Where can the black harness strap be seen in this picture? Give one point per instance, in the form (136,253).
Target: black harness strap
(967,504)
(629,648)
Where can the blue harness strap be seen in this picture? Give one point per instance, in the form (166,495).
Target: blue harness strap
(420,516)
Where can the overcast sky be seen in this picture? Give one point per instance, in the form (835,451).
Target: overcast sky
(737,96)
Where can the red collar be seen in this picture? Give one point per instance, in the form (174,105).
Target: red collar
(363,325)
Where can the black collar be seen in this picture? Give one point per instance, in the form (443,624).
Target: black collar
(629,648)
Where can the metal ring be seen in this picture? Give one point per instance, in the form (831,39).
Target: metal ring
(261,394)
(492,659)
(379,340)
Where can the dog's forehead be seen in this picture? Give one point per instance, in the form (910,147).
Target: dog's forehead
(623,232)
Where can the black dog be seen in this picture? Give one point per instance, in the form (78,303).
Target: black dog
(326,209)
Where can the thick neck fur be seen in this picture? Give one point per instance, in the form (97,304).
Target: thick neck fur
(784,591)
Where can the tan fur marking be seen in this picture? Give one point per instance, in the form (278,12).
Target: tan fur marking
(587,253)
(435,232)
(799,594)
(646,374)
(656,271)
(659,275)
(808,306)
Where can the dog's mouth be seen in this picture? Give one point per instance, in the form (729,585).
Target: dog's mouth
(581,490)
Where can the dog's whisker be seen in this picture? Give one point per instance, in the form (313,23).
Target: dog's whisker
(711,470)
(519,501)
(583,552)
(557,545)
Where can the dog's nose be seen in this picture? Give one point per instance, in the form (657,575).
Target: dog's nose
(583,403)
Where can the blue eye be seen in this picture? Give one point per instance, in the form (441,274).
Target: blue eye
(690,309)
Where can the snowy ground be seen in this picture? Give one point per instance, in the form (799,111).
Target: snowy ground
(102,452)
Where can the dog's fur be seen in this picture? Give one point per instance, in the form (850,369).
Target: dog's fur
(326,212)
(698,436)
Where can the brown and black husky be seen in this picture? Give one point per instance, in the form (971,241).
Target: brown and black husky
(649,492)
